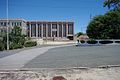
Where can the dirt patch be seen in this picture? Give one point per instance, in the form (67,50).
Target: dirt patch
(69,74)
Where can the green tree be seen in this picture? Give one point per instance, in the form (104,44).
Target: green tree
(79,33)
(112,4)
(16,35)
(17,39)
(105,26)
(3,40)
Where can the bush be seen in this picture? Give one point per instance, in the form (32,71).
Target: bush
(117,41)
(91,42)
(106,42)
(1,46)
(30,43)
(82,41)
(15,46)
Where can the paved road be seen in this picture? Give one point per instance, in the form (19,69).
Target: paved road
(62,57)
(11,52)
(18,60)
(88,56)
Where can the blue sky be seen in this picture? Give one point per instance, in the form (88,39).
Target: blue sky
(78,11)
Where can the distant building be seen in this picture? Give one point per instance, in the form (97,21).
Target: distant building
(42,29)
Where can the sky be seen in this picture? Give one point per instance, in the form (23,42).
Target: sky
(78,11)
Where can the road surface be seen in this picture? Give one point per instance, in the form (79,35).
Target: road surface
(62,57)
(71,56)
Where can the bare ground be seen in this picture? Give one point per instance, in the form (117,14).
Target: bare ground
(69,74)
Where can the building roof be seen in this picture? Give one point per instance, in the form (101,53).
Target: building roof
(13,19)
(48,22)
(38,21)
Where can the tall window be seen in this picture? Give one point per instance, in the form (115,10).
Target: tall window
(60,30)
(54,26)
(39,30)
(70,28)
(44,30)
(20,24)
(49,30)
(28,30)
(33,31)
(64,30)
(5,24)
(1,23)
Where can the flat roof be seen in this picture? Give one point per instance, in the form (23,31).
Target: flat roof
(37,21)
(13,19)
(49,22)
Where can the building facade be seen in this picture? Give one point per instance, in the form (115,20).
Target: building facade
(12,23)
(42,29)
(49,30)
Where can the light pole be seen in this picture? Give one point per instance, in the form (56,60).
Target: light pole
(7,25)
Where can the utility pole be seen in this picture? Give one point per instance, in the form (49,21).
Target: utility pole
(7,25)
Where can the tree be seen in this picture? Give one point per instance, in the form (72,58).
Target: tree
(1,45)
(112,4)
(17,39)
(79,33)
(3,40)
(16,35)
(105,26)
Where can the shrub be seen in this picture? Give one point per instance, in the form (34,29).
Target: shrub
(1,46)
(106,42)
(15,46)
(30,43)
(91,42)
(82,41)
(117,41)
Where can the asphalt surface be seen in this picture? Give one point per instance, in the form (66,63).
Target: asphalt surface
(60,57)
(18,60)
(71,56)
(11,52)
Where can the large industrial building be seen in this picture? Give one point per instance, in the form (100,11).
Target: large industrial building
(41,29)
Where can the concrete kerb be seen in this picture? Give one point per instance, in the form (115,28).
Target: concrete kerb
(59,69)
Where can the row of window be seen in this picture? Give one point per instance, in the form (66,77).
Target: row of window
(12,23)
(54,26)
